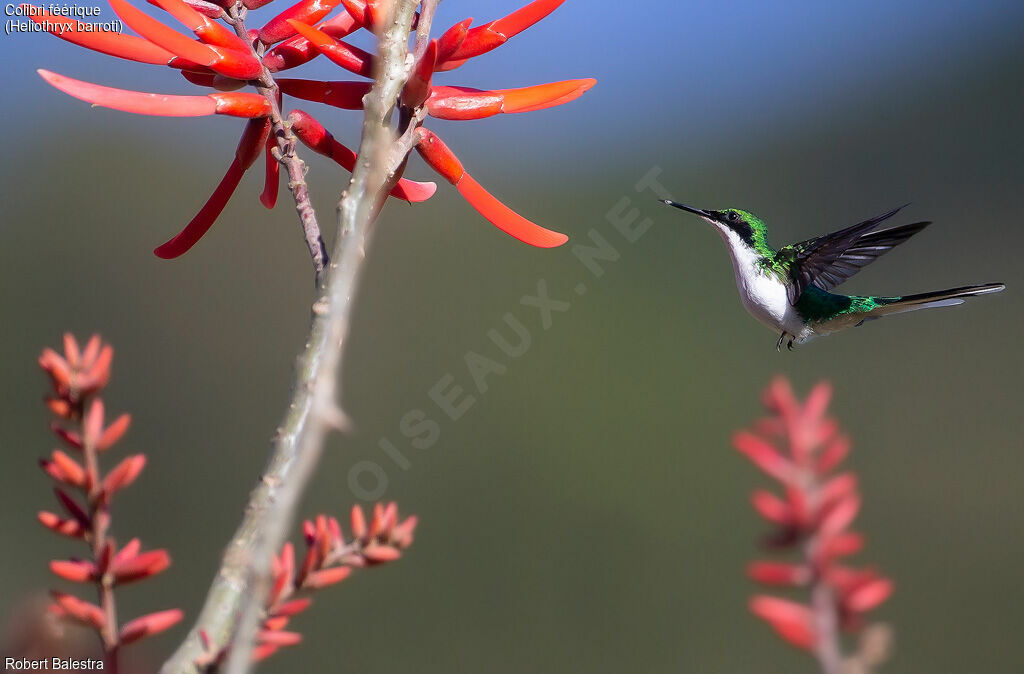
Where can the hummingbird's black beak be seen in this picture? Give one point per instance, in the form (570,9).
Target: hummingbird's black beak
(688,209)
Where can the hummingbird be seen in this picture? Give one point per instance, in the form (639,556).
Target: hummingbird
(788,289)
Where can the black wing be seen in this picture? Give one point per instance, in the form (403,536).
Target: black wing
(864,251)
(810,259)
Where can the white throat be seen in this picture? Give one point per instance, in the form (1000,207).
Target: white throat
(762,293)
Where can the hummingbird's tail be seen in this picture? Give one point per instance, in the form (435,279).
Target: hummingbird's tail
(938,298)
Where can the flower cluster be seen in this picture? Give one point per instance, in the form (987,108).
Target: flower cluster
(78,377)
(225,58)
(813,517)
(329,559)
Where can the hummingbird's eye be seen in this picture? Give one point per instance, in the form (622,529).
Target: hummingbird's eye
(733,216)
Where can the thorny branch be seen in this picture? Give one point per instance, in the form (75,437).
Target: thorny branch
(286,142)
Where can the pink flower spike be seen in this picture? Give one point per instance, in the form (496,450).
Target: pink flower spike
(253,139)
(150,624)
(114,44)
(793,622)
(341,53)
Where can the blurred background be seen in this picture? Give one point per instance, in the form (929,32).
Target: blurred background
(587,513)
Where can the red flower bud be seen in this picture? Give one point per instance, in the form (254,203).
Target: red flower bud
(148,625)
(793,622)
(304,11)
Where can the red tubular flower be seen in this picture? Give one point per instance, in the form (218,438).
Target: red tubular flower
(465,103)
(305,11)
(417,89)
(206,29)
(234,104)
(444,161)
(253,139)
(451,40)
(483,39)
(299,50)
(115,44)
(223,59)
(344,95)
(314,136)
(339,52)
(76,375)
(814,519)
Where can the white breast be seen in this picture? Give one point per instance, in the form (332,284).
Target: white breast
(762,293)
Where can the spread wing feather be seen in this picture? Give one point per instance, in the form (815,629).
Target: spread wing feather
(863,252)
(819,258)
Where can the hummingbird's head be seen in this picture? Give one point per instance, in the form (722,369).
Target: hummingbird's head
(744,224)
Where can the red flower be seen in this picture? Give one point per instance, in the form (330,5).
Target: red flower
(813,518)
(227,60)
(77,377)
(329,559)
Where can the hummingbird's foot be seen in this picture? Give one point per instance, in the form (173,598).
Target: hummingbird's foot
(789,345)
(778,345)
